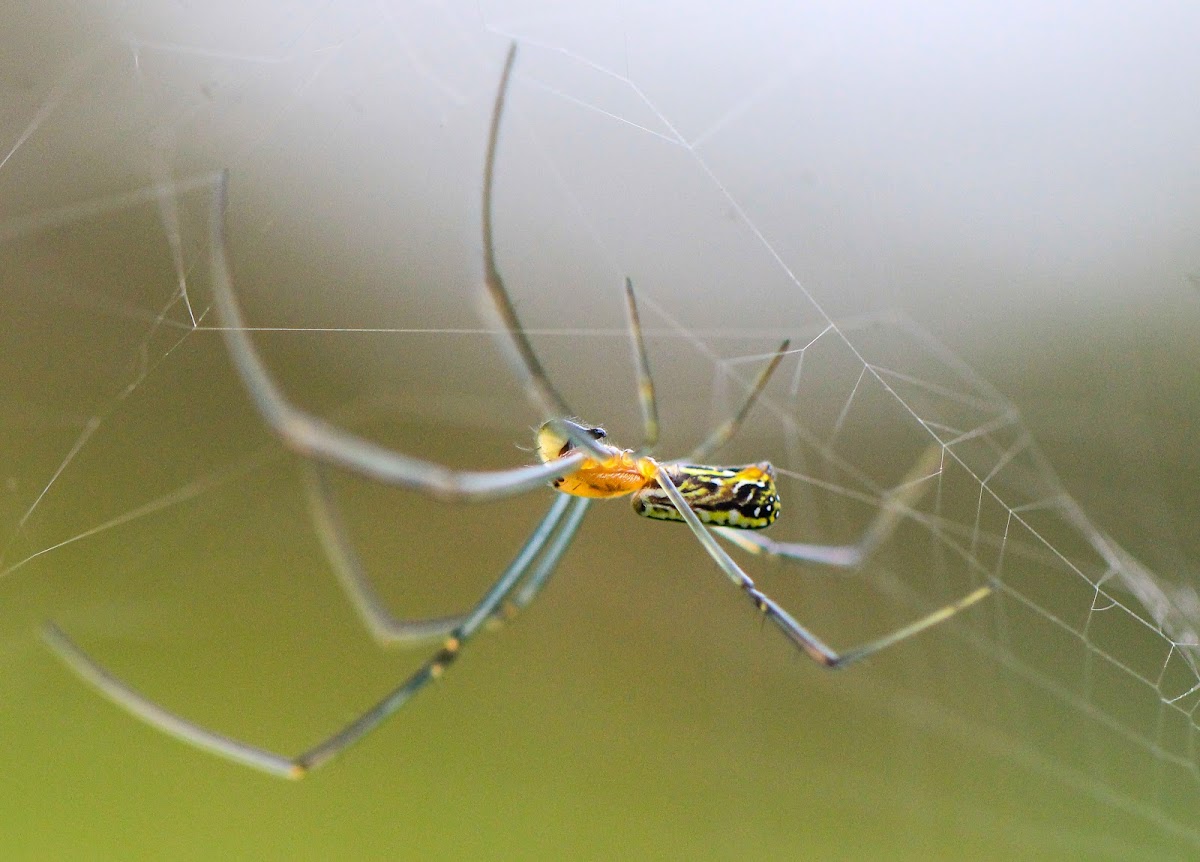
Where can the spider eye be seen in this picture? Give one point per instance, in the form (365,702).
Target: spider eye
(597,433)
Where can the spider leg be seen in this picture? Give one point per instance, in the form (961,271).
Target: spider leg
(487,608)
(641,362)
(538,384)
(809,643)
(723,432)
(312,436)
(387,629)
(539,555)
(331,530)
(895,505)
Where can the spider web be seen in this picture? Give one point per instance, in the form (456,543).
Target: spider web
(829,180)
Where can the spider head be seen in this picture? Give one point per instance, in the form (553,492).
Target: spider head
(555,438)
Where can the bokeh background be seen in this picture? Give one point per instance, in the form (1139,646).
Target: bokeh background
(1001,188)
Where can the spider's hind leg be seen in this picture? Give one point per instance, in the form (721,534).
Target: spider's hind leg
(809,643)
(894,507)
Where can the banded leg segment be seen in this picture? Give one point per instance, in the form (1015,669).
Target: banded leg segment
(537,559)
(809,643)
(554,544)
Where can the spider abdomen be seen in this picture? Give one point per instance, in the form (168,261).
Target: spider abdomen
(743,497)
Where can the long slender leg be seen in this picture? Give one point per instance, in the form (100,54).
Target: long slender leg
(538,383)
(317,438)
(544,548)
(813,647)
(723,432)
(384,627)
(312,436)
(433,669)
(645,381)
(895,506)
(387,629)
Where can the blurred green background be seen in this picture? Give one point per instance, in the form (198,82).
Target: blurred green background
(1037,218)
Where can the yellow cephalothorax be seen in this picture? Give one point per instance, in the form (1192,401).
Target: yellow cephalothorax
(743,497)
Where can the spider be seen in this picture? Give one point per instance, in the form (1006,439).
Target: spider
(575,458)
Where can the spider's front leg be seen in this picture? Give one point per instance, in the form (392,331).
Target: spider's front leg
(314,437)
